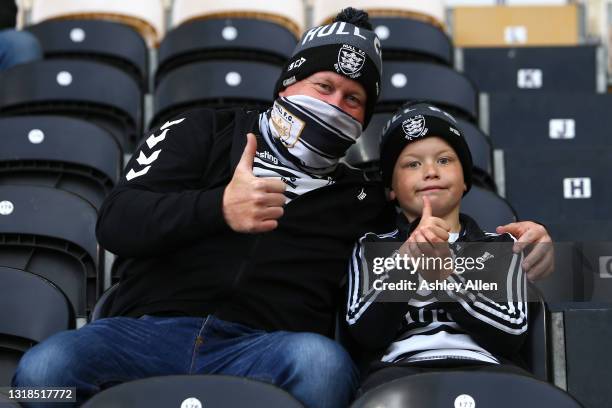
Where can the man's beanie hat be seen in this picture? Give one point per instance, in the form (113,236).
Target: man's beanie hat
(416,121)
(347,46)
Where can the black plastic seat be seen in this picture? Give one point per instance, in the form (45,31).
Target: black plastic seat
(557,185)
(51,232)
(424,81)
(244,39)
(487,208)
(104,303)
(470,388)
(61,152)
(211,391)
(529,69)
(97,92)
(104,41)
(32,310)
(215,84)
(546,120)
(482,154)
(405,39)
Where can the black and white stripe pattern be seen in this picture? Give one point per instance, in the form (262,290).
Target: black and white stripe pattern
(428,330)
(270,163)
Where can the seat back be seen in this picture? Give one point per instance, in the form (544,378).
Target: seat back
(466,388)
(211,391)
(431,12)
(246,39)
(61,152)
(104,303)
(228,84)
(105,41)
(32,310)
(407,39)
(487,208)
(422,81)
(532,69)
(51,232)
(145,16)
(75,88)
(290,15)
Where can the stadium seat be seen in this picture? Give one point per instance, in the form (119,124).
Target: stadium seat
(431,12)
(438,84)
(596,267)
(61,152)
(145,16)
(210,391)
(32,310)
(246,39)
(406,39)
(530,69)
(228,84)
(517,25)
(558,185)
(51,233)
(466,389)
(482,154)
(487,208)
(550,120)
(96,92)
(588,357)
(104,303)
(290,15)
(103,41)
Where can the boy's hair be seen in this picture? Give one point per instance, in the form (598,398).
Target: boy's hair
(416,121)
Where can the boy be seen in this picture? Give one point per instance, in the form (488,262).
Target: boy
(445,318)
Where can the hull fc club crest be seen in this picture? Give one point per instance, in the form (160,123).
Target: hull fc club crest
(414,127)
(350,61)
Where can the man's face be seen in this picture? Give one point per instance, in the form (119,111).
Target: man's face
(334,89)
(428,167)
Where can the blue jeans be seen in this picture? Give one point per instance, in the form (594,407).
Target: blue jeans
(18,47)
(314,369)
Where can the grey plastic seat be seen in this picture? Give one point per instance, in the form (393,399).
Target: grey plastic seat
(471,388)
(424,81)
(532,69)
(405,39)
(245,39)
(210,391)
(96,92)
(227,83)
(98,40)
(32,310)
(51,232)
(61,152)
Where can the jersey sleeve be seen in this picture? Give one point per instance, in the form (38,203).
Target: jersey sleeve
(158,204)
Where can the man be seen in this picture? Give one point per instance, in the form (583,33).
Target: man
(232,250)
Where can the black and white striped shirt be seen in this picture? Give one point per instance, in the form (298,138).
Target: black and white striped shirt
(465,323)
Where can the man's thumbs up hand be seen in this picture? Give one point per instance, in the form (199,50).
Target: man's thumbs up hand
(252,204)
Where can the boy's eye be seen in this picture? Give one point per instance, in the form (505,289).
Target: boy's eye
(444,160)
(413,164)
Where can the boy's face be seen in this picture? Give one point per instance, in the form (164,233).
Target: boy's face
(428,167)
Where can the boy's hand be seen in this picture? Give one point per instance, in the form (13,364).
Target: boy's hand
(252,204)
(429,239)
